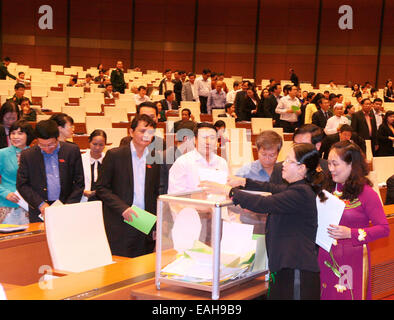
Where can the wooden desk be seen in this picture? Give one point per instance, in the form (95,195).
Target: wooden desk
(146,290)
(109,282)
(22,254)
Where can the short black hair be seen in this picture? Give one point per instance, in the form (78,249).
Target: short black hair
(187,110)
(141,87)
(167,70)
(206,71)
(25,99)
(19,85)
(8,59)
(96,133)
(227,106)
(345,127)
(47,129)
(191,74)
(149,105)
(317,133)
(167,93)
(20,72)
(142,117)
(332,96)
(26,128)
(61,119)
(378,100)
(363,101)
(219,124)
(8,106)
(203,125)
(235,83)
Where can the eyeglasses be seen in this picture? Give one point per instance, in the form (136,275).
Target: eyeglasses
(289,161)
(50,145)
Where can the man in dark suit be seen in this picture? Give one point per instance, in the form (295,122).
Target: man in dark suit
(310,133)
(169,102)
(157,144)
(269,104)
(117,78)
(50,171)
(240,99)
(3,69)
(364,123)
(321,116)
(178,86)
(127,178)
(230,111)
(345,133)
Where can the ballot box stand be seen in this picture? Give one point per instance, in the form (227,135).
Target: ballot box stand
(191,223)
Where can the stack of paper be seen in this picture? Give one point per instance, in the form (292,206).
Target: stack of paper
(238,256)
(7,228)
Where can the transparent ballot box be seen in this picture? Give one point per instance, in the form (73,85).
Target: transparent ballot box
(205,242)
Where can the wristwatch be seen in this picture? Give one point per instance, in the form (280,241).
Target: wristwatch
(231,193)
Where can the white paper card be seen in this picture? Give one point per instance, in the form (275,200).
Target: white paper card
(329,212)
(22,203)
(186,229)
(212,175)
(237,238)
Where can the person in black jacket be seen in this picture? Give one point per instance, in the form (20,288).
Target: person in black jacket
(120,185)
(291,225)
(345,133)
(386,136)
(321,116)
(3,69)
(390,190)
(117,78)
(50,171)
(269,104)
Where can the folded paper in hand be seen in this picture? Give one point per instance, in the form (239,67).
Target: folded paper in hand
(144,222)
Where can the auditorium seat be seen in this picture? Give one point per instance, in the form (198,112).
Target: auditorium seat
(76,237)
(78,113)
(261,124)
(55,104)
(97,122)
(116,114)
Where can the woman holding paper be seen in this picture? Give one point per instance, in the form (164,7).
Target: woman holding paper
(21,136)
(291,223)
(345,270)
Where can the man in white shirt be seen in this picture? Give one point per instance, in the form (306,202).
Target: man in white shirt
(378,111)
(141,96)
(334,123)
(289,108)
(231,94)
(203,85)
(191,168)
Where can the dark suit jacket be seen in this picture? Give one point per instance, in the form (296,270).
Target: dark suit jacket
(329,140)
(3,137)
(163,85)
(178,90)
(247,107)
(117,80)
(32,183)
(359,125)
(239,101)
(115,187)
(386,148)
(319,119)
(390,190)
(4,72)
(174,104)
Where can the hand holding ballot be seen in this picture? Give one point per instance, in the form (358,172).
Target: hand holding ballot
(339,232)
(128,214)
(235,181)
(12,197)
(214,187)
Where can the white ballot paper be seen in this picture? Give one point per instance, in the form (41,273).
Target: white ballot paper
(22,203)
(329,212)
(213,175)
(2,293)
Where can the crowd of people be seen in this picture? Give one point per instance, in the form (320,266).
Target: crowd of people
(328,155)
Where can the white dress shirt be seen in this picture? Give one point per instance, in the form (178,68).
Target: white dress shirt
(286,104)
(139,170)
(138,99)
(203,87)
(333,123)
(87,162)
(379,118)
(184,174)
(231,96)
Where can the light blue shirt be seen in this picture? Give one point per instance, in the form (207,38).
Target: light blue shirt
(51,162)
(254,171)
(139,171)
(216,100)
